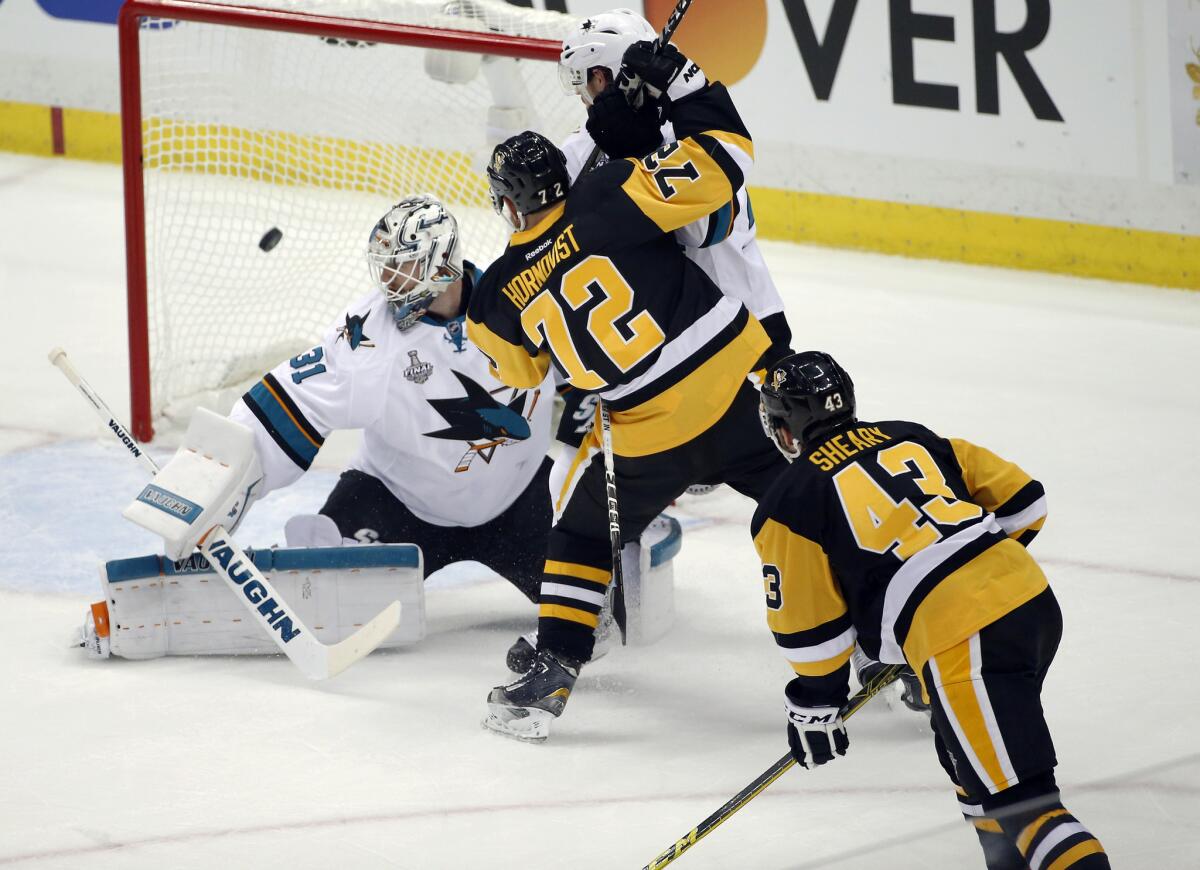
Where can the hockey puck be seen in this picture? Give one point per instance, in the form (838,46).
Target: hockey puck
(270,238)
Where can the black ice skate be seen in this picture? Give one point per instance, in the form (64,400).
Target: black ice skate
(526,706)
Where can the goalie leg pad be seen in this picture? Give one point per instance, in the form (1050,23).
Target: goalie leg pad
(650,581)
(158,607)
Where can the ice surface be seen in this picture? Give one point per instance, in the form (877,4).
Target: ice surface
(242,763)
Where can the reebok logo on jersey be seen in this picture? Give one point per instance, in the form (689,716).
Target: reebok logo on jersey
(538,249)
(528,282)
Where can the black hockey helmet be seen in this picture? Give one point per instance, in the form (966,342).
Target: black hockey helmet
(529,170)
(807,393)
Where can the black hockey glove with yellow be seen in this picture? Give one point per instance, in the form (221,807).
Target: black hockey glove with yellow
(619,129)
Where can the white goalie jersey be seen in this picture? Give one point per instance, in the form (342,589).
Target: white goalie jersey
(722,244)
(448,440)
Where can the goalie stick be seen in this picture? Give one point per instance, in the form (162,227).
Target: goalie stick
(316,660)
(882,680)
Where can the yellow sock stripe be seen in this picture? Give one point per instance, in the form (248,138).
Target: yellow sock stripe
(570,614)
(1031,830)
(574,569)
(1077,853)
(989,825)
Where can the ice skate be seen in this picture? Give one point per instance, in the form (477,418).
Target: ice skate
(525,707)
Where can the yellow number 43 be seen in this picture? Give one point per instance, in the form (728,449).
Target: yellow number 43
(881,524)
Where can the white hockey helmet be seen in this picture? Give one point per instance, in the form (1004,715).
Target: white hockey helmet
(599,41)
(414,256)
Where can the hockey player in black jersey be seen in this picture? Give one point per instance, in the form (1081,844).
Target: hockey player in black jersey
(593,283)
(913,544)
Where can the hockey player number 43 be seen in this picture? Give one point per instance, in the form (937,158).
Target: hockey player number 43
(596,276)
(879,523)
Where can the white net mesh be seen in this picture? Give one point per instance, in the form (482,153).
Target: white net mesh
(245,131)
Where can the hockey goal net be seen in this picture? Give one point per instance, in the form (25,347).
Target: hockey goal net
(261,145)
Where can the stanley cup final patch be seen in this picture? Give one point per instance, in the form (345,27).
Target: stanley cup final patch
(418,372)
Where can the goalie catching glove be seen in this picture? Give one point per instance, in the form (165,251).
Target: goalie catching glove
(815,734)
(209,482)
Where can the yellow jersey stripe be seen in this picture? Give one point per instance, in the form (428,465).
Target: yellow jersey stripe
(994,583)
(1077,853)
(739,142)
(688,408)
(511,363)
(690,198)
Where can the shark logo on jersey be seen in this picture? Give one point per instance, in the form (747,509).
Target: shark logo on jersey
(353,333)
(418,372)
(454,335)
(481,421)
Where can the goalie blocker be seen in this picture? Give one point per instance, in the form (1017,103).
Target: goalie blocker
(154,606)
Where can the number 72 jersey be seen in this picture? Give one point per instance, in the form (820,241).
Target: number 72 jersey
(892,535)
(599,287)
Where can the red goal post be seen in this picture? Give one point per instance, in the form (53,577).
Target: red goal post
(219,149)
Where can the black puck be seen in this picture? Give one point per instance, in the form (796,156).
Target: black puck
(270,238)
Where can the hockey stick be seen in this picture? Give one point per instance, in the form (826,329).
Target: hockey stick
(614,518)
(316,660)
(884,678)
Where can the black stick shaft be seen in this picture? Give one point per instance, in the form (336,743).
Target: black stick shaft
(885,677)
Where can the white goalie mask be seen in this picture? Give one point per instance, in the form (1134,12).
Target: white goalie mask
(599,41)
(414,256)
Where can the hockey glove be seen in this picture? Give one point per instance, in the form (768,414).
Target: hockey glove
(662,76)
(815,733)
(619,129)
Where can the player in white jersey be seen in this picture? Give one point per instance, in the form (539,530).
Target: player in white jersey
(451,458)
(723,244)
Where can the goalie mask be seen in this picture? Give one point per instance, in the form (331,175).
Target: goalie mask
(599,41)
(414,256)
(806,395)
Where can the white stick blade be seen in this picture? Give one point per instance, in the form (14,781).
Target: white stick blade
(362,642)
